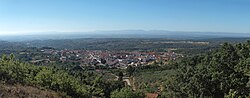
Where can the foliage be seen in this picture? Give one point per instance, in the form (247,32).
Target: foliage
(216,74)
(114,44)
(130,70)
(127,93)
(150,80)
(16,72)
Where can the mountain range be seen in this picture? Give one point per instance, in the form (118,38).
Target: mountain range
(123,34)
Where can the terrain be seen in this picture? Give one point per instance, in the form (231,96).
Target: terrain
(216,67)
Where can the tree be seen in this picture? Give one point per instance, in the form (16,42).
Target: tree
(103,61)
(13,71)
(127,93)
(214,74)
(130,70)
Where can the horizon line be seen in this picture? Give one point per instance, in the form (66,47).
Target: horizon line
(93,31)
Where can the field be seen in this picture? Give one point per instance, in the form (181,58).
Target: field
(151,80)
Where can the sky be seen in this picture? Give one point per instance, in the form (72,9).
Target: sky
(34,16)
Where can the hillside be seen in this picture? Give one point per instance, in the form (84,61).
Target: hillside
(19,91)
(222,72)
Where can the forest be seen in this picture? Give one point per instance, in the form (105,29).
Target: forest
(77,84)
(221,73)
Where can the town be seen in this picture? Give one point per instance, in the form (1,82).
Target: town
(110,59)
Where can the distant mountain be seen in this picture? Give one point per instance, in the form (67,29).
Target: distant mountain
(125,34)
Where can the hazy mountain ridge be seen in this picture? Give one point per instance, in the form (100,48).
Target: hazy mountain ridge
(123,34)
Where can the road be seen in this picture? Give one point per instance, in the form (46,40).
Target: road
(125,79)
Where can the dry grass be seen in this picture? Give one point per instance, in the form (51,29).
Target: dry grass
(19,91)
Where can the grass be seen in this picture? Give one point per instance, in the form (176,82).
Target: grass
(20,91)
(151,79)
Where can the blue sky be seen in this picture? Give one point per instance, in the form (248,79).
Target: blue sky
(31,16)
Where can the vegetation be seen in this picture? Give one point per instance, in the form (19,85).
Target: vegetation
(127,93)
(150,81)
(19,91)
(221,73)
(117,44)
(16,72)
